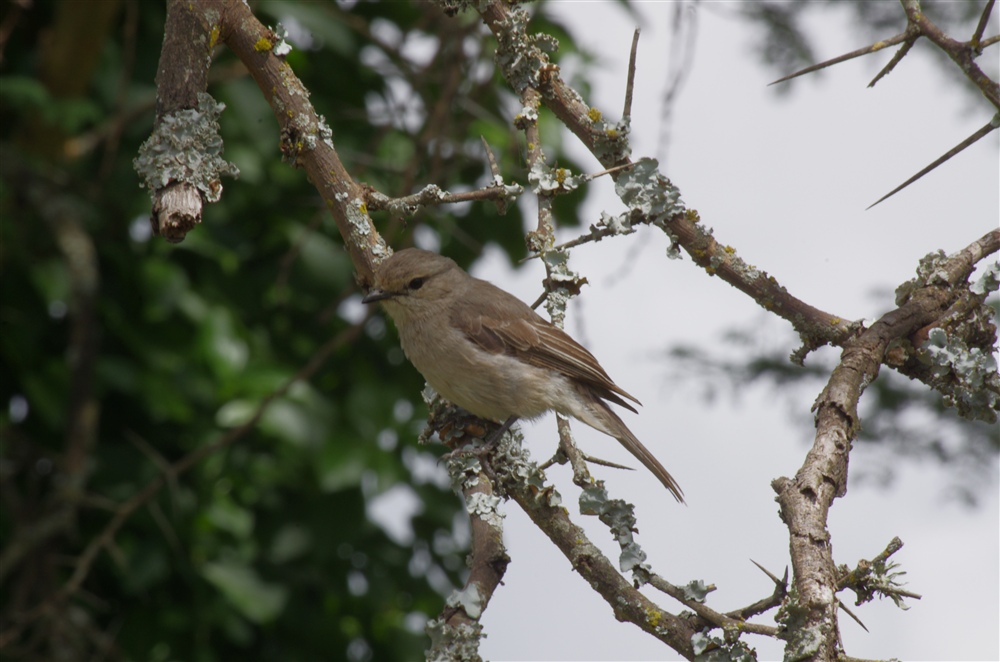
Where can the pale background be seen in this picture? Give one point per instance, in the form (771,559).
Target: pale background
(786,182)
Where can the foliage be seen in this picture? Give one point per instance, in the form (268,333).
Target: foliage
(122,357)
(264,550)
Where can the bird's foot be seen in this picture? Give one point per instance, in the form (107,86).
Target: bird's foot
(482,451)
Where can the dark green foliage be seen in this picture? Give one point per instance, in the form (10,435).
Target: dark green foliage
(264,549)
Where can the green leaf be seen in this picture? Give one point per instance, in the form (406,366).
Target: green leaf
(257,600)
(229,516)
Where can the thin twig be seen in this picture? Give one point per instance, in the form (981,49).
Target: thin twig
(960,53)
(896,59)
(157,458)
(894,546)
(606,463)
(840,603)
(770,602)
(874,48)
(164,525)
(707,613)
(609,171)
(981,28)
(778,582)
(501,202)
(432,195)
(572,452)
(981,133)
(627,111)
(494,168)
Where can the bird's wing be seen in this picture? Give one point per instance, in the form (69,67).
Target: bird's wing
(508,326)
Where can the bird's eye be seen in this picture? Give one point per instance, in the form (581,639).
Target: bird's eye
(416,283)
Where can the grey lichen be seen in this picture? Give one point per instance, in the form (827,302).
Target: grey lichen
(708,648)
(803,640)
(454,7)
(528,113)
(880,578)
(511,192)
(486,507)
(619,517)
(696,590)
(611,143)
(380,249)
(357,217)
(282,48)
(644,190)
(619,225)
(930,271)
(519,55)
(469,600)
(512,463)
(989,281)
(186,147)
(464,470)
(967,377)
(550,181)
(450,643)
(325,132)
(563,283)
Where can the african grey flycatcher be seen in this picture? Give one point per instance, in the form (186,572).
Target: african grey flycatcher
(488,352)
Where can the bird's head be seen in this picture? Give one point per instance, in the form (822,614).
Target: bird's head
(411,281)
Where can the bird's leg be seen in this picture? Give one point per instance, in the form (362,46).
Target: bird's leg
(489,443)
(494,436)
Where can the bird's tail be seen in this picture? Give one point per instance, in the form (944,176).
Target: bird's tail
(608,422)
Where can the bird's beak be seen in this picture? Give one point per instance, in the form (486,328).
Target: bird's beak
(377,295)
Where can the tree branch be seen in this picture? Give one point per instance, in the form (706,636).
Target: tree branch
(805,500)
(962,54)
(865,50)
(542,506)
(432,195)
(306,138)
(608,143)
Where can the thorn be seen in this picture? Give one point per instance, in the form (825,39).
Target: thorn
(495,171)
(779,582)
(874,48)
(990,126)
(896,59)
(627,112)
(623,166)
(849,613)
(606,463)
(977,37)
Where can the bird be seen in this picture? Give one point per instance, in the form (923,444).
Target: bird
(488,352)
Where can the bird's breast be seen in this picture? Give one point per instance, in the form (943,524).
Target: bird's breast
(492,386)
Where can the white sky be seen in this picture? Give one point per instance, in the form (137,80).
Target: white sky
(785,182)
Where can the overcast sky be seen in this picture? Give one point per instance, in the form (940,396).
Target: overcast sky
(786,182)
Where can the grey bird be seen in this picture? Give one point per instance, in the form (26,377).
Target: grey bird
(488,352)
